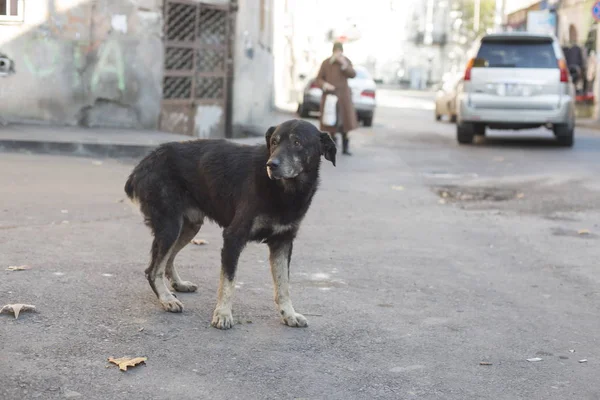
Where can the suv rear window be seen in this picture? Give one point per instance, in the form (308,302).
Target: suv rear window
(516,54)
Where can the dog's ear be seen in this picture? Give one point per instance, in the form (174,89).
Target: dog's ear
(268,136)
(328,148)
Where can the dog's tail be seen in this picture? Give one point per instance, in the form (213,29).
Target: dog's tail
(129,188)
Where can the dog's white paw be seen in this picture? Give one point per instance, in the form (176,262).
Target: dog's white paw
(294,320)
(171,304)
(222,319)
(184,286)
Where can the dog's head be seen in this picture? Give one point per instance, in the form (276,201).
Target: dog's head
(296,147)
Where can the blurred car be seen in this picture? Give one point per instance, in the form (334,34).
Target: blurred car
(517,80)
(363,96)
(445,98)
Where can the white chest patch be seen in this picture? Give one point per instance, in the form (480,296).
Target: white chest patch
(264,223)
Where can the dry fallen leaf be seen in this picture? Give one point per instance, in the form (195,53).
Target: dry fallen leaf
(398,188)
(520,195)
(18,268)
(583,232)
(17,308)
(199,242)
(125,362)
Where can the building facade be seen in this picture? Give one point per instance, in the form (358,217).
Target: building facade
(174,65)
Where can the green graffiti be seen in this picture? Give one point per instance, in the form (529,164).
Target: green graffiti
(33,64)
(110,61)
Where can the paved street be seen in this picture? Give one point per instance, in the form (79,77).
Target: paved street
(418,261)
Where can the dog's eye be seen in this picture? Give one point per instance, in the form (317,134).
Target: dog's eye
(296,143)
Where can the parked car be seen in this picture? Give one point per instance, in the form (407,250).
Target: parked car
(445,98)
(516,80)
(363,95)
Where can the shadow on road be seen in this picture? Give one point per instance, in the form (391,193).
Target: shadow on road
(589,144)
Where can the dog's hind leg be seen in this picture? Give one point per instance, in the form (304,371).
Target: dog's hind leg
(280,257)
(188,231)
(163,245)
(234,241)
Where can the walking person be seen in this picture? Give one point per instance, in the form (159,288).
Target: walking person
(333,79)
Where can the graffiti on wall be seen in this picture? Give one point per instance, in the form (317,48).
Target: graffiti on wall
(41,56)
(110,62)
(85,66)
(45,53)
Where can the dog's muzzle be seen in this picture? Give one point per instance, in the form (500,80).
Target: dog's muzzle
(276,170)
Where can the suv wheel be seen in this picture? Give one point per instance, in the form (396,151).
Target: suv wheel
(479,129)
(465,133)
(564,134)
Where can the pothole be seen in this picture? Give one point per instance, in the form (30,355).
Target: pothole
(473,194)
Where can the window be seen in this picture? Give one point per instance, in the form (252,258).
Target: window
(362,73)
(518,54)
(11,10)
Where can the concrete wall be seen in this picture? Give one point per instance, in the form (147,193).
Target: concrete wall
(89,63)
(100,63)
(253,67)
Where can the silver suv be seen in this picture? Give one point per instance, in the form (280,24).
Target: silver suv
(516,81)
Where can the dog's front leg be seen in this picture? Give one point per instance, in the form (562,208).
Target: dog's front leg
(233,244)
(280,257)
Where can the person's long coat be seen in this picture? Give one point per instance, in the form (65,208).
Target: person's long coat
(333,74)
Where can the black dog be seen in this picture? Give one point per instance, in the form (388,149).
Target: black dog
(256,193)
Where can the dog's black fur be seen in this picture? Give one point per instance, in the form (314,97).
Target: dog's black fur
(256,193)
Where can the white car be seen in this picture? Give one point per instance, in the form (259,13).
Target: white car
(516,80)
(445,98)
(363,96)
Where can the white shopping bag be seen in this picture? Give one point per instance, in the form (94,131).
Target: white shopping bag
(330,110)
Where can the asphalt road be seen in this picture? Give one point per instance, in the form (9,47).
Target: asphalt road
(418,261)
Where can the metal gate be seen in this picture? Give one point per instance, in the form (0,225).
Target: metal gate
(197,40)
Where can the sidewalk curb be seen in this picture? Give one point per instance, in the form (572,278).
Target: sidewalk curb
(83,149)
(101,150)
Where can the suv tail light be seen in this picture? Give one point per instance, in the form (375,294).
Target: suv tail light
(368,93)
(564,71)
(468,69)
